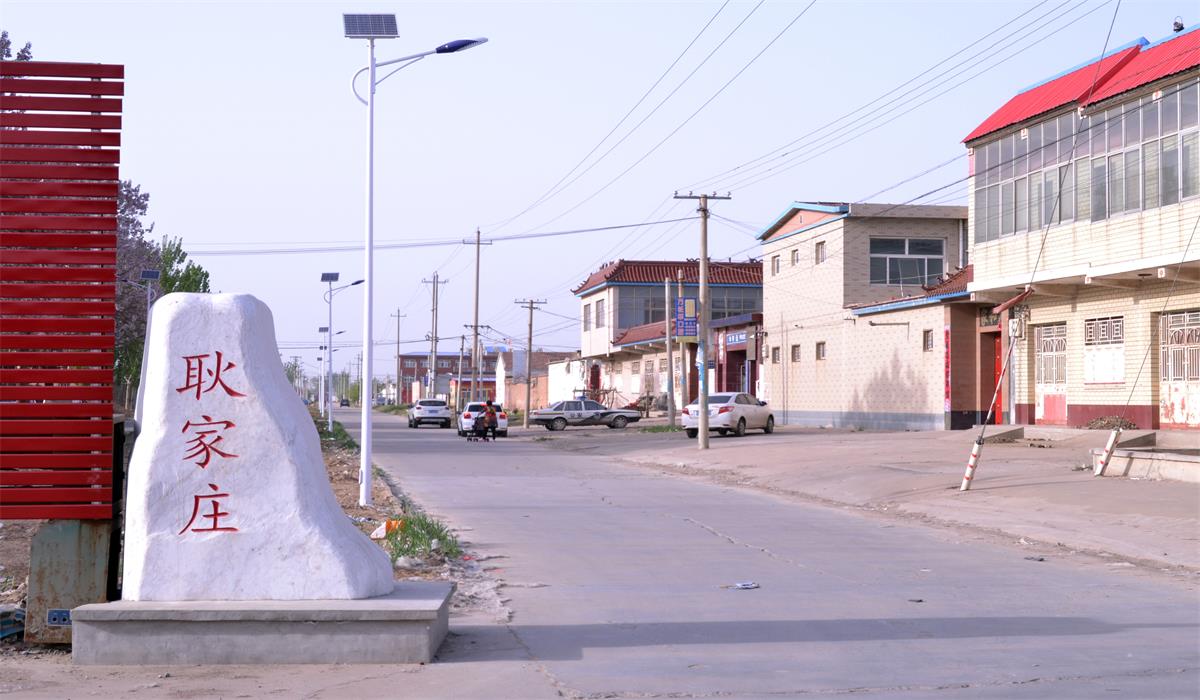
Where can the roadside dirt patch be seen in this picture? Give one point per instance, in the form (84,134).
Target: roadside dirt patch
(15,536)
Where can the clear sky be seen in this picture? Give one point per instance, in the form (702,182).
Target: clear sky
(240,122)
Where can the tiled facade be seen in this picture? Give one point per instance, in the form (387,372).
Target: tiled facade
(835,353)
(1111,326)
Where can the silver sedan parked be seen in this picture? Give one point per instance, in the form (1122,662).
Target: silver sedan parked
(730,413)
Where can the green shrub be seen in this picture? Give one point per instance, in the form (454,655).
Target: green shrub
(422,537)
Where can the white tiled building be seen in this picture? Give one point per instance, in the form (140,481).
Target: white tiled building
(1085,191)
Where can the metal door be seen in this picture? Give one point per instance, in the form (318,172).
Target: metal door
(1050,362)
(1179,387)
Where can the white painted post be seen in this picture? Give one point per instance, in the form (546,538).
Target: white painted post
(972,463)
(1107,454)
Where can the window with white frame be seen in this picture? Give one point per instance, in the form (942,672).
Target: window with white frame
(649,366)
(600,313)
(618,367)
(635,367)
(913,261)
(795,256)
(1133,156)
(821,350)
(774,265)
(444,364)
(795,353)
(927,340)
(819,253)
(662,364)
(1104,350)
(410,363)
(587,317)
(775,355)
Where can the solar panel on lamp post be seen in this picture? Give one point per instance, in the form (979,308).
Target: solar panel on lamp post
(372,27)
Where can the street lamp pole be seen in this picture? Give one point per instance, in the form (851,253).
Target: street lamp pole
(372,27)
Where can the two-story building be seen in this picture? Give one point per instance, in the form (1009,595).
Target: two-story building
(1085,199)
(867,321)
(623,307)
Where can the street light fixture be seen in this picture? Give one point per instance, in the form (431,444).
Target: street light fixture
(329,278)
(372,27)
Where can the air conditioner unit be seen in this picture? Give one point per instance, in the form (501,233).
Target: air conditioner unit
(1024,134)
(1016,328)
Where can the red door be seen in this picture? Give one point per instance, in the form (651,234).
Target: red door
(997,379)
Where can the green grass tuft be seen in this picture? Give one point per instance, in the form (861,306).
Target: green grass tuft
(422,537)
(662,429)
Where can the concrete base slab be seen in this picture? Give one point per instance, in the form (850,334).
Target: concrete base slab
(1150,464)
(405,626)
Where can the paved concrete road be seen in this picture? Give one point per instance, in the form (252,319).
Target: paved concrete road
(636,566)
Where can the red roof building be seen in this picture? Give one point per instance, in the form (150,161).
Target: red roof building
(1121,70)
(655,271)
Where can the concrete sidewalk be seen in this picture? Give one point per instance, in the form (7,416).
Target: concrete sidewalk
(1031,491)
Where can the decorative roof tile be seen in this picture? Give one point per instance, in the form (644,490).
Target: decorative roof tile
(655,271)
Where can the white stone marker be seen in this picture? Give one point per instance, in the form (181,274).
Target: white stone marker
(228,495)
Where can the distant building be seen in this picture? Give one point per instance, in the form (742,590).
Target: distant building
(1084,196)
(623,332)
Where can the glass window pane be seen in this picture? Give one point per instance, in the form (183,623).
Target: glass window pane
(1049,197)
(993,230)
(893,273)
(981,166)
(1097,133)
(1191,164)
(1035,201)
(887,245)
(1049,142)
(925,246)
(878,270)
(980,214)
(1066,136)
(1150,175)
(1066,179)
(933,268)
(1112,124)
(1170,112)
(993,159)
(1022,196)
(909,270)
(1020,150)
(1006,156)
(1133,125)
(1035,147)
(1133,181)
(1083,190)
(1188,99)
(1169,167)
(1099,200)
(1009,209)
(1116,183)
(1149,119)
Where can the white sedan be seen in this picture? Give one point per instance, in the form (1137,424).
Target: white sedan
(466,419)
(730,413)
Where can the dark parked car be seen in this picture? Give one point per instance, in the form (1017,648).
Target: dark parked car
(582,412)
(344,403)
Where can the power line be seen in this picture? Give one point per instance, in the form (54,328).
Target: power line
(432,244)
(794,160)
(551,192)
(752,162)
(690,117)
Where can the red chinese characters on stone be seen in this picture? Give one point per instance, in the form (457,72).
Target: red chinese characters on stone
(203,445)
(200,373)
(214,515)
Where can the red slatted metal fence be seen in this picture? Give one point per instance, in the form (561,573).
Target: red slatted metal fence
(59,151)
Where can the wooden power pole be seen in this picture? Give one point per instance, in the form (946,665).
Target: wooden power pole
(530,304)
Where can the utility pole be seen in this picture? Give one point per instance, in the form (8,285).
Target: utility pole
(398,316)
(475,359)
(530,304)
(326,356)
(431,386)
(670,355)
(462,347)
(705,312)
